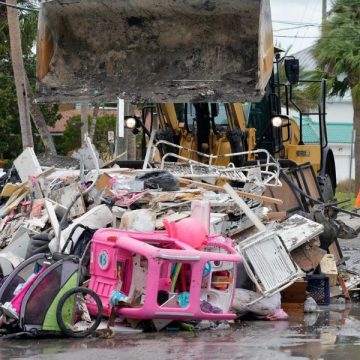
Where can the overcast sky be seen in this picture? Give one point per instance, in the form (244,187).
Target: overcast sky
(295,12)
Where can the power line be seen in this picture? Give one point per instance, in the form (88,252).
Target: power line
(310,21)
(302,18)
(317,37)
(300,37)
(295,23)
(294,27)
(312,25)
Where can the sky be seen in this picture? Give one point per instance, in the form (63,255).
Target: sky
(289,17)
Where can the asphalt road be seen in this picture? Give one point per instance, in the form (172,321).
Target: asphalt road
(332,333)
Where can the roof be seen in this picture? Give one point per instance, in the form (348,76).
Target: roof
(60,125)
(338,133)
(310,131)
(306,59)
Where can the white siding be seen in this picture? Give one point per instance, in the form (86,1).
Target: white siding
(340,112)
(342,156)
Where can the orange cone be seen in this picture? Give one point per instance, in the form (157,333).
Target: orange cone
(357,201)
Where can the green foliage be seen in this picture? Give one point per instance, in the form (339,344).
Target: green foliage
(71,138)
(342,196)
(10,144)
(103,125)
(338,50)
(344,186)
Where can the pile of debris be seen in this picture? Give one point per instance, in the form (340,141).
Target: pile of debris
(154,247)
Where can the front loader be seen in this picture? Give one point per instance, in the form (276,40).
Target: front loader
(206,56)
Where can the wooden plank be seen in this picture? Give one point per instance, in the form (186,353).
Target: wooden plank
(295,293)
(328,268)
(333,249)
(15,199)
(308,256)
(9,189)
(291,202)
(103,184)
(266,199)
(276,216)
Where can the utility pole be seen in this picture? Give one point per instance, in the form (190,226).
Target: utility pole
(324,10)
(120,137)
(131,138)
(84,121)
(125,139)
(19,73)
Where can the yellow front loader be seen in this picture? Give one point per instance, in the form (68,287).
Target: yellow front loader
(196,59)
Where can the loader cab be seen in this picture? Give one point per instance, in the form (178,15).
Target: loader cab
(209,128)
(290,127)
(201,127)
(195,116)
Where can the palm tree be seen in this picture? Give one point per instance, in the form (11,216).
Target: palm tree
(19,73)
(338,56)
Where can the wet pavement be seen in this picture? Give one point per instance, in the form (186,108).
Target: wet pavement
(331,333)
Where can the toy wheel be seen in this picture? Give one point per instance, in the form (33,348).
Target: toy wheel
(34,332)
(69,306)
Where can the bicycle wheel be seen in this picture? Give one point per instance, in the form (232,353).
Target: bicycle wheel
(67,312)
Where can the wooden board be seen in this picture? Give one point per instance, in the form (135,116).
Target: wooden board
(328,268)
(295,293)
(298,230)
(9,189)
(308,256)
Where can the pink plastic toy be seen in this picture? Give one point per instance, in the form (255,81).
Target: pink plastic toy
(154,270)
(189,231)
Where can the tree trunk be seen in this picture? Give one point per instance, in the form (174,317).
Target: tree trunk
(357,144)
(19,74)
(39,121)
(93,123)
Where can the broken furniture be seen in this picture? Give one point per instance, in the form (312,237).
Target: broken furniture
(266,258)
(268,263)
(265,173)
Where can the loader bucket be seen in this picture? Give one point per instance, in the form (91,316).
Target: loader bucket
(154,50)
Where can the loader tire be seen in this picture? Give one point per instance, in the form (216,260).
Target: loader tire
(326,188)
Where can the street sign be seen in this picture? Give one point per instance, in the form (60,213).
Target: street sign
(111,137)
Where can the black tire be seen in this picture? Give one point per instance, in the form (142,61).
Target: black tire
(326,188)
(78,334)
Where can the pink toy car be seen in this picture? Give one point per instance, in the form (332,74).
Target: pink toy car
(162,277)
